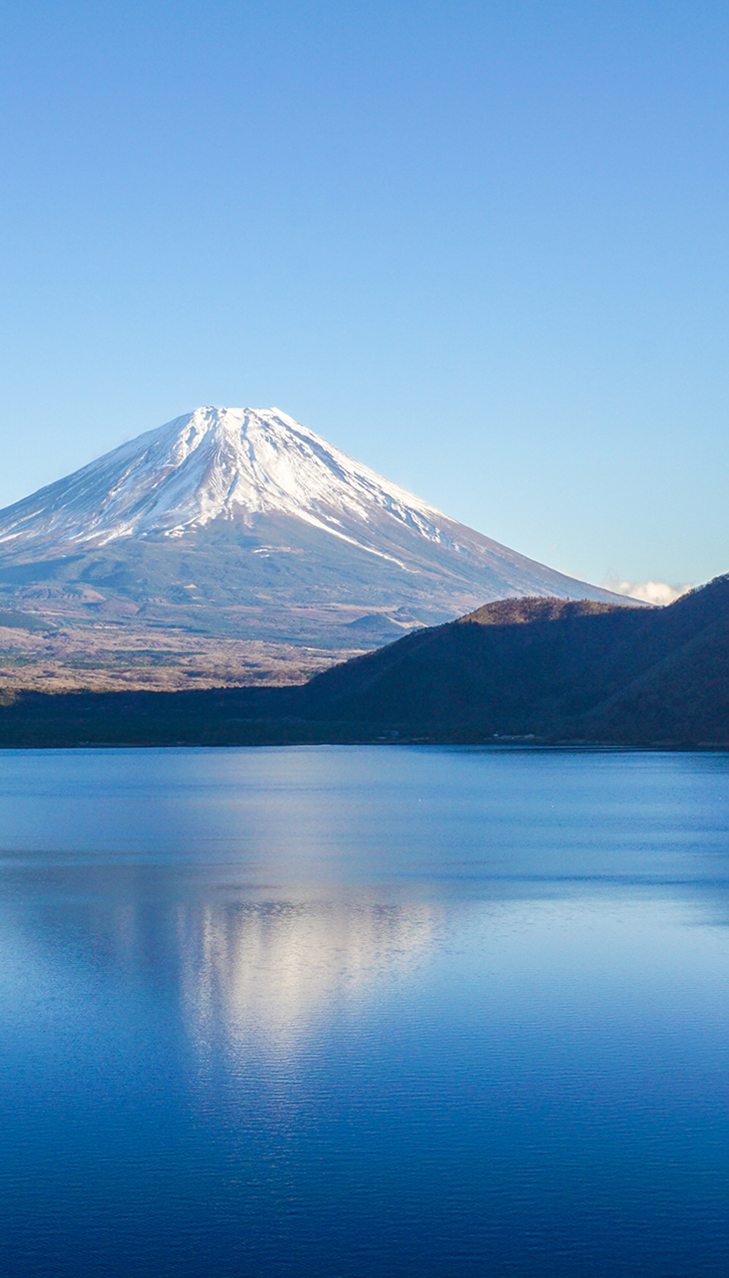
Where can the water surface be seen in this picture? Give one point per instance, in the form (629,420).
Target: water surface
(363,1011)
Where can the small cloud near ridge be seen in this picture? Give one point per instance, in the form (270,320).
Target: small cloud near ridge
(651,592)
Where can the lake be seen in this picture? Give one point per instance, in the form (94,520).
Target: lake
(364,1011)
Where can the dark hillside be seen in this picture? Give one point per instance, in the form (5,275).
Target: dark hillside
(550,668)
(685,696)
(511,667)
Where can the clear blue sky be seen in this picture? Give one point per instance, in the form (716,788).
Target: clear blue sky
(482,247)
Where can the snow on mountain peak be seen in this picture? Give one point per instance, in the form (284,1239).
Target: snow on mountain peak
(208,464)
(283,483)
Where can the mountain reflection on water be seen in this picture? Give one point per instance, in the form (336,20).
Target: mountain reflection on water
(274,967)
(385,1010)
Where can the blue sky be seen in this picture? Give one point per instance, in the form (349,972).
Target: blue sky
(481,247)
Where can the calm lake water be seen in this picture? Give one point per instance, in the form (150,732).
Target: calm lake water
(336,1013)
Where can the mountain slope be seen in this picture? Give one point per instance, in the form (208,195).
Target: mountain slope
(548,668)
(244,523)
(211,464)
(512,667)
(682,695)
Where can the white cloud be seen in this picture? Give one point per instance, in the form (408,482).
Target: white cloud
(652,592)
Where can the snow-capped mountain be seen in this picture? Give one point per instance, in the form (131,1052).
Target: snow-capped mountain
(218,463)
(234,512)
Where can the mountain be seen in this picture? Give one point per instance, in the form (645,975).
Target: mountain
(547,669)
(681,694)
(246,525)
(525,670)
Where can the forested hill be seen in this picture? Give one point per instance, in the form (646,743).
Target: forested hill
(551,668)
(542,669)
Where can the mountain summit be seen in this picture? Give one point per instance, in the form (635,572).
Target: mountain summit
(243,522)
(217,463)
(246,466)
